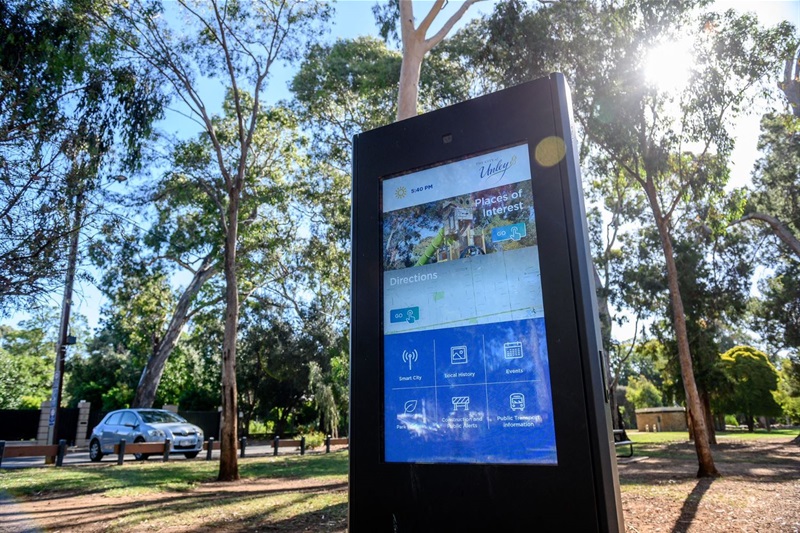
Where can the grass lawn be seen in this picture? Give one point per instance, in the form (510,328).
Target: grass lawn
(295,493)
(289,493)
(173,476)
(643,437)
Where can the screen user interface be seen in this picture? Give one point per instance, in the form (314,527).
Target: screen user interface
(466,376)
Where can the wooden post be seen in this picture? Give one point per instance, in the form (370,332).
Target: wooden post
(243,446)
(328,444)
(303,445)
(2,450)
(121,453)
(275,445)
(167,446)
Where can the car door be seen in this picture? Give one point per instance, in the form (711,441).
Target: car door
(109,436)
(126,429)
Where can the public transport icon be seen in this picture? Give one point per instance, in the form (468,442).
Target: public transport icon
(517,401)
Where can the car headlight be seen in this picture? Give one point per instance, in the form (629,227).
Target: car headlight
(155,432)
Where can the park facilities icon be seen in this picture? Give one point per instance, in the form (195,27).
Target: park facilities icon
(458,355)
(517,401)
(512,350)
(460,402)
(410,406)
(410,357)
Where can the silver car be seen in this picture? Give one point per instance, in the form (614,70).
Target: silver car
(145,425)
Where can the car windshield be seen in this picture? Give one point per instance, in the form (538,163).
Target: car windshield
(160,417)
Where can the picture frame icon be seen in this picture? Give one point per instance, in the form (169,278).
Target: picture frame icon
(458,355)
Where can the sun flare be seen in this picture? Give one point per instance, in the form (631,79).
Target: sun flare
(668,66)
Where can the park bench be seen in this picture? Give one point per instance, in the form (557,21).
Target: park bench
(147,448)
(621,440)
(34,450)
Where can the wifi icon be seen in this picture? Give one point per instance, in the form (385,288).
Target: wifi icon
(410,357)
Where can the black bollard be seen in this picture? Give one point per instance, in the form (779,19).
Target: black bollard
(62,451)
(121,451)
(210,448)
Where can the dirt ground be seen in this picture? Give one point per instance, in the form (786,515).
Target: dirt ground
(759,491)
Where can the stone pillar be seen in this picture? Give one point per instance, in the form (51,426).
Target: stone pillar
(83,423)
(44,420)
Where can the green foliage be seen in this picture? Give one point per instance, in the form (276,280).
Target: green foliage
(775,192)
(106,377)
(788,393)
(257,427)
(68,100)
(753,379)
(314,438)
(27,359)
(287,372)
(776,178)
(642,393)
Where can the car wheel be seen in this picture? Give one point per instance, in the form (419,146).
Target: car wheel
(191,455)
(95,451)
(140,456)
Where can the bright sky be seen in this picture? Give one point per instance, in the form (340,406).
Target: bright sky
(354,18)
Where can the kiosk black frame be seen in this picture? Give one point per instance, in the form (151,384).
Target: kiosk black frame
(581,491)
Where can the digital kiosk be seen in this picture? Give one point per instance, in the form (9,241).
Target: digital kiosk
(477,382)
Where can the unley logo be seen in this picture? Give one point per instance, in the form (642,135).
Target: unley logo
(496,169)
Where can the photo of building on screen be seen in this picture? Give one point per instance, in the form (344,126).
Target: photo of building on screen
(484,222)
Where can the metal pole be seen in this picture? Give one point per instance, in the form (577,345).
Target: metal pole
(63,331)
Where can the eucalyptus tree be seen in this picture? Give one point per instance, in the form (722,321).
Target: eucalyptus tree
(340,90)
(69,99)
(772,205)
(237,43)
(673,149)
(416,43)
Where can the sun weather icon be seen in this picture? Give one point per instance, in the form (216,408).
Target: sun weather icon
(400,192)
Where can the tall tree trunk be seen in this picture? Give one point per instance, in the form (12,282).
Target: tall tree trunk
(154,369)
(408,91)
(415,45)
(228,462)
(706,467)
(712,431)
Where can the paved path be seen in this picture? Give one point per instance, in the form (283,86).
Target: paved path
(12,518)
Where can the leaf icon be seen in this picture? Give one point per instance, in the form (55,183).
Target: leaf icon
(410,405)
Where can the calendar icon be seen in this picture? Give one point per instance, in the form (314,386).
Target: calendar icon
(513,350)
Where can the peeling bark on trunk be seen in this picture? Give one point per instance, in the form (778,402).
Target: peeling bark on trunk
(154,369)
(706,467)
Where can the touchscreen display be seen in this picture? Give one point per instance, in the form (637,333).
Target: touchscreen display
(466,376)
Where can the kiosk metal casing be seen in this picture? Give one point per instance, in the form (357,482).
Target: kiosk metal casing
(430,448)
